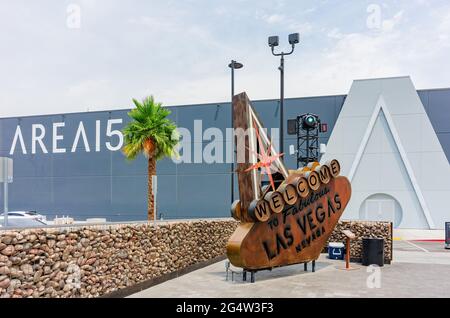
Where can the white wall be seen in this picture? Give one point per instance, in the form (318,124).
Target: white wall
(386,144)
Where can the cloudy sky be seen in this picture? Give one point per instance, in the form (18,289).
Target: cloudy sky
(66,56)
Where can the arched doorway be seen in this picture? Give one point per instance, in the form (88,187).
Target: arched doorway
(381,207)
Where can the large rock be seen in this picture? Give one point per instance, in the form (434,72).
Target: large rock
(9,250)
(4,284)
(4,270)
(37,275)
(27,269)
(13,284)
(7,239)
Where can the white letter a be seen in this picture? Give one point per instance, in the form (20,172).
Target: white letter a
(81,132)
(18,135)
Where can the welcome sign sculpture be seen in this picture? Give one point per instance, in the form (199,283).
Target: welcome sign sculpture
(287,223)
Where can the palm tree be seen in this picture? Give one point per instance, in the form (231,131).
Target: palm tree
(153,134)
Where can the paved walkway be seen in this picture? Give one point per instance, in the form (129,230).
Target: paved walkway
(419,270)
(414,234)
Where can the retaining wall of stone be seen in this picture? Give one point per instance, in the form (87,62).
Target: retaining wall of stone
(93,261)
(97,260)
(364,229)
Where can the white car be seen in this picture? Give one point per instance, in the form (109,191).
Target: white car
(18,221)
(24,215)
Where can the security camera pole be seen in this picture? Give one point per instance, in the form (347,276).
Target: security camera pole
(294,38)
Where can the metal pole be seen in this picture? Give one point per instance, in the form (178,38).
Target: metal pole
(298,142)
(347,254)
(281,101)
(232,141)
(5,192)
(232,79)
(308,155)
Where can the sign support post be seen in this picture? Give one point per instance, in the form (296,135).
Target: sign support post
(6,176)
(348,236)
(347,254)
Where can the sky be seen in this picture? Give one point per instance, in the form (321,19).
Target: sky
(84,55)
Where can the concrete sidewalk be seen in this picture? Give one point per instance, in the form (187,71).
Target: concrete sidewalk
(414,273)
(413,234)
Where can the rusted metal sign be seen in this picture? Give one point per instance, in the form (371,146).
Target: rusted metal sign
(287,224)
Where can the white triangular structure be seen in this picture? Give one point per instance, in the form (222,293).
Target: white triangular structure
(389,150)
(382,108)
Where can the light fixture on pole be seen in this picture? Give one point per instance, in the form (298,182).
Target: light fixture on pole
(294,38)
(233,66)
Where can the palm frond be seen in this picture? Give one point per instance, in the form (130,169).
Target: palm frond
(149,121)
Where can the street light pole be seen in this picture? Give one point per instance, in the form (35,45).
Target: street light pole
(294,38)
(5,192)
(233,65)
(281,68)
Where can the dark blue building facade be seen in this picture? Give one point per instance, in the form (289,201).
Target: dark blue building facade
(71,164)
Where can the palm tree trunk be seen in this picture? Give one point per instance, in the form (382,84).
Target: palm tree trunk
(151,198)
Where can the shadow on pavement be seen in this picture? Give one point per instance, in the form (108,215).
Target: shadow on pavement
(277,272)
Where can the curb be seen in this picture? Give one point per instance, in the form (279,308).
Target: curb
(127,291)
